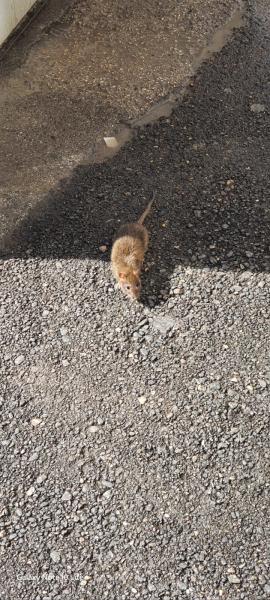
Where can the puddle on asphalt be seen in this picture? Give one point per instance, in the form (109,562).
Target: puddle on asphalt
(221,37)
(164,108)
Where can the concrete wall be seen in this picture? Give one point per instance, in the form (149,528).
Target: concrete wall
(11,13)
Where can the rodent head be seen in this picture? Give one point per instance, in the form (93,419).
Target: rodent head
(130,284)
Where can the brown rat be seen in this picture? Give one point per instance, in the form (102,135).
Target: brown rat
(129,247)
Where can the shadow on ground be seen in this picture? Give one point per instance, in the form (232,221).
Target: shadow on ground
(209,164)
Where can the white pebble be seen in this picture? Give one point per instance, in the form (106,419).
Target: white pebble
(66,496)
(233,578)
(55,556)
(142,399)
(111,142)
(35,421)
(63,330)
(107,494)
(19,360)
(41,478)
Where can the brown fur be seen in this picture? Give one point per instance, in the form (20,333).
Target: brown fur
(129,247)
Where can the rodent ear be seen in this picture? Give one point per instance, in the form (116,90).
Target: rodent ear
(122,276)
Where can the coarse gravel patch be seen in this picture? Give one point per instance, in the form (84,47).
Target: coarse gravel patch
(135,437)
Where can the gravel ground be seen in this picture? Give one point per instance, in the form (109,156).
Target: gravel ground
(135,437)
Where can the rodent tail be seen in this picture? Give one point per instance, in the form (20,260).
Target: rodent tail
(146,211)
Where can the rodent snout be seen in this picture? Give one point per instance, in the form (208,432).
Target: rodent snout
(132,290)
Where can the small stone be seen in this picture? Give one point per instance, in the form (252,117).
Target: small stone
(111,142)
(163,324)
(41,478)
(65,363)
(31,491)
(257,108)
(35,421)
(84,581)
(93,428)
(63,330)
(232,578)
(67,496)
(33,457)
(142,399)
(19,360)
(182,585)
(103,248)
(107,484)
(144,352)
(55,556)
(107,494)
(267,588)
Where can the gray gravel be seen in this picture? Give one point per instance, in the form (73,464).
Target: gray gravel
(135,437)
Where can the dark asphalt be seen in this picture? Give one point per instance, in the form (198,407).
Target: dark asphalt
(135,438)
(208,163)
(83,68)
